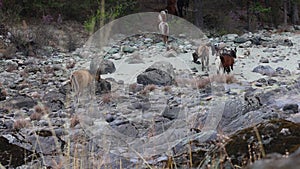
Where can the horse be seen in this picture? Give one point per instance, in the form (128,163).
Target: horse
(163,26)
(203,53)
(227,60)
(172,7)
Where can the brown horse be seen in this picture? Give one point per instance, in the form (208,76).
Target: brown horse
(227,60)
(172,7)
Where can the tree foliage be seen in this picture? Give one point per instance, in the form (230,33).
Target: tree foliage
(225,15)
(80,10)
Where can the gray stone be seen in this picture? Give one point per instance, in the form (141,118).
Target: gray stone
(9,149)
(148,40)
(113,51)
(2,94)
(283,72)
(46,142)
(285,42)
(292,108)
(171,112)
(164,66)
(170,53)
(264,60)
(256,40)
(128,49)
(109,118)
(102,86)
(240,40)
(106,66)
(262,80)
(157,77)
(230,37)
(127,129)
(54,100)
(160,73)
(264,70)
(297,27)
(271,82)
(21,101)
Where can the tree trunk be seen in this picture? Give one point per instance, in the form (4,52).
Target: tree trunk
(285,12)
(248,15)
(295,16)
(198,14)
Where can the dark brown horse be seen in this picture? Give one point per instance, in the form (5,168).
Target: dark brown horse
(227,60)
(172,7)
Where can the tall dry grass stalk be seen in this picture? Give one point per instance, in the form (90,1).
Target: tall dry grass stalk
(200,83)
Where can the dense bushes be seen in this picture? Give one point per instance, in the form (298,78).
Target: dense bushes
(221,16)
(79,10)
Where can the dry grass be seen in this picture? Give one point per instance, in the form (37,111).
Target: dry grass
(200,83)
(150,87)
(38,109)
(144,92)
(106,98)
(24,74)
(20,123)
(74,121)
(133,87)
(36,116)
(3,92)
(167,89)
(35,95)
(41,109)
(147,89)
(49,69)
(11,68)
(224,78)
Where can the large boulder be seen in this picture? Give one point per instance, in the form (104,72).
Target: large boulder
(10,147)
(277,137)
(160,73)
(106,66)
(156,77)
(21,101)
(102,86)
(264,70)
(54,100)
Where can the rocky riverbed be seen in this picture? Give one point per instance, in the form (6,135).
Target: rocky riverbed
(153,108)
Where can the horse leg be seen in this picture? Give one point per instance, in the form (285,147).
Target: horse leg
(207,62)
(228,70)
(165,38)
(202,62)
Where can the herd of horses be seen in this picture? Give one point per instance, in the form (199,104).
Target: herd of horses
(81,80)
(224,58)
